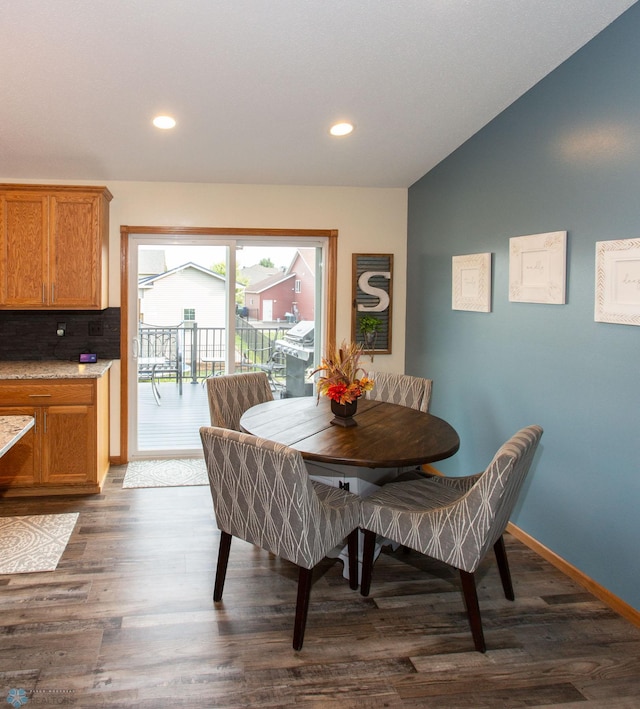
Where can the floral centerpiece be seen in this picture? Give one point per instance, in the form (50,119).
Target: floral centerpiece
(342,379)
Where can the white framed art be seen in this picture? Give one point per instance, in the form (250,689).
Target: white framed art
(618,282)
(537,268)
(471,282)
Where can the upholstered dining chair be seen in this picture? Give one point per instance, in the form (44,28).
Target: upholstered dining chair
(454,520)
(262,494)
(230,395)
(402,389)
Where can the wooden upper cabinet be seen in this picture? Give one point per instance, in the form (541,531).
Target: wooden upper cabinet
(54,247)
(24,259)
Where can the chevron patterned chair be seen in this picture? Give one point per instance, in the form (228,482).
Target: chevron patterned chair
(402,389)
(230,395)
(262,494)
(454,520)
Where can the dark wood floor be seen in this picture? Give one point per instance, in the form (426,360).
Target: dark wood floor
(127,621)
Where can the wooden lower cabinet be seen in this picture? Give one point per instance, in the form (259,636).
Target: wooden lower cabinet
(67,451)
(69,444)
(20,465)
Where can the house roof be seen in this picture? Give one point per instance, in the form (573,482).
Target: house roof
(308,255)
(269,282)
(255,274)
(255,84)
(149,281)
(151,262)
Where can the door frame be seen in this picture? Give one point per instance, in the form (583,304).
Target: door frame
(331,276)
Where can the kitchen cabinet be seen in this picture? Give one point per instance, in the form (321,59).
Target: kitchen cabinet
(19,465)
(67,451)
(54,247)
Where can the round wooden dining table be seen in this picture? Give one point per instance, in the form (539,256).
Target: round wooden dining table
(386,435)
(386,439)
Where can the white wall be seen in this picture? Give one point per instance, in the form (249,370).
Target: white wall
(368,221)
(165,301)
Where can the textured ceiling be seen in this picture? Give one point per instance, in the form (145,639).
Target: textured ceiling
(255,84)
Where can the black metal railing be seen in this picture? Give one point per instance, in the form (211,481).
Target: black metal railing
(188,352)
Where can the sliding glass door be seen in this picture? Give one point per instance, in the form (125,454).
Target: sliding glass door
(205,306)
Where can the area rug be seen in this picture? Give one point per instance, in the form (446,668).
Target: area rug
(168,472)
(34,543)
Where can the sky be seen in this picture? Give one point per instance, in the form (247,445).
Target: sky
(208,255)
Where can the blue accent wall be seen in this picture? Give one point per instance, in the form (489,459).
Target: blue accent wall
(565,156)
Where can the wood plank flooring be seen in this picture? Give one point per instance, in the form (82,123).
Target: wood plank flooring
(174,423)
(127,620)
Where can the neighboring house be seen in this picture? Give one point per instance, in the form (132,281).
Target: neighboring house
(303,265)
(151,262)
(271,299)
(187,293)
(250,275)
(285,296)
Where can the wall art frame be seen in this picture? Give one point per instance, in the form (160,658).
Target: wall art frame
(471,282)
(618,282)
(537,268)
(372,298)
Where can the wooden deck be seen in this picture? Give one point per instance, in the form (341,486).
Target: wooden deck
(174,424)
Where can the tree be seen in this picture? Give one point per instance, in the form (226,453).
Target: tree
(241,281)
(266,262)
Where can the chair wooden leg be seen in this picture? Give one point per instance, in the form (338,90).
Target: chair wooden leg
(503,567)
(473,609)
(221,571)
(352,546)
(302,607)
(367,561)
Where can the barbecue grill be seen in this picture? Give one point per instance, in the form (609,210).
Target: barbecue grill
(297,346)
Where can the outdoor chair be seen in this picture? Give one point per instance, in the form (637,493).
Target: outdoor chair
(269,361)
(453,520)
(160,356)
(263,495)
(402,389)
(230,395)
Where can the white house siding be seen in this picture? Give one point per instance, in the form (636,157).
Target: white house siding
(163,304)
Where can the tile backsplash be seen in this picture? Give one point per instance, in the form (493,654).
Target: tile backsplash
(31,334)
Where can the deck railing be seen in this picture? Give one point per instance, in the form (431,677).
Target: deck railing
(193,353)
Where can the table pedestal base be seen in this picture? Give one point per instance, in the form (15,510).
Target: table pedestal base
(360,481)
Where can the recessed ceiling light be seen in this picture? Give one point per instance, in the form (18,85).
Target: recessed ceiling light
(341,129)
(164,122)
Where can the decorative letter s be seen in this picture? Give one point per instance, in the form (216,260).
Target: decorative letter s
(383,296)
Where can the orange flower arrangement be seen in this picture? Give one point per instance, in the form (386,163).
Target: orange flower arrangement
(340,380)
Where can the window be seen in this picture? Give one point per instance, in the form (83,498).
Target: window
(189,314)
(298,286)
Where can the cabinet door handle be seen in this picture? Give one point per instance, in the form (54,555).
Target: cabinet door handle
(53,292)
(44,429)
(39,396)
(44,294)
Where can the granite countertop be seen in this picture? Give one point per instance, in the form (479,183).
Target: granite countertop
(53,369)
(12,428)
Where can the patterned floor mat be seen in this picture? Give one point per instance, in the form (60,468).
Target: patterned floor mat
(165,473)
(34,543)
